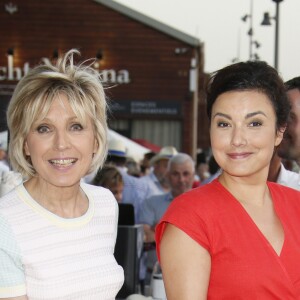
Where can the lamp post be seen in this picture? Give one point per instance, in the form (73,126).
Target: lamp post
(250,33)
(266,21)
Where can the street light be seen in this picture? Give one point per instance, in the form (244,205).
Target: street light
(267,21)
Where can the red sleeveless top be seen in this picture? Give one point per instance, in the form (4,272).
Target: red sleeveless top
(243,263)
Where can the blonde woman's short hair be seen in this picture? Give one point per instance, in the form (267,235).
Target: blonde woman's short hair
(34,95)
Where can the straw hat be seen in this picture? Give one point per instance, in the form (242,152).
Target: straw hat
(164,153)
(116,148)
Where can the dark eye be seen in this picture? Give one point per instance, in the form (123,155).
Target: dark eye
(222,124)
(76,127)
(255,124)
(43,129)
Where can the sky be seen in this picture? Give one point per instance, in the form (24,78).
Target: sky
(218,24)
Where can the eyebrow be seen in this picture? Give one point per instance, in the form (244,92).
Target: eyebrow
(47,119)
(249,115)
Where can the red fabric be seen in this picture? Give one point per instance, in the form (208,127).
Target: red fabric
(196,183)
(244,265)
(147,144)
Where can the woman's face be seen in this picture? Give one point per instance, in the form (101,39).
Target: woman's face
(60,147)
(243,132)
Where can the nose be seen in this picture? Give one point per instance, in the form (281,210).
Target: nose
(61,140)
(238,137)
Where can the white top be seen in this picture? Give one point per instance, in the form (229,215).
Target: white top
(288,178)
(48,257)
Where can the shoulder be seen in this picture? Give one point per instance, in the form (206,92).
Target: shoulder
(155,198)
(207,195)
(284,195)
(9,200)
(205,204)
(279,188)
(154,202)
(282,189)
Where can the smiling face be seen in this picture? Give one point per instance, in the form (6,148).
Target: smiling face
(60,147)
(243,133)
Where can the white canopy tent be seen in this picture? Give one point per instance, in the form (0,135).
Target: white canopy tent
(133,149)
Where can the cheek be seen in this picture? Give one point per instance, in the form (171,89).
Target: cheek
(219,143)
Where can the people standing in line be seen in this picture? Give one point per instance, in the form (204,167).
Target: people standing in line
(57,233)
(134,190)
(238,236)
(180,175)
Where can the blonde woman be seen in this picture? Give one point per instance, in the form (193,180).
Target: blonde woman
(57,233)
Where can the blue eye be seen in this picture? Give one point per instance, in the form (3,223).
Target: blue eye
(77,127)
(43,129)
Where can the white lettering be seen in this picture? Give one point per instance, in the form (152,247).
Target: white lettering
(123,76)
(109,76)
(12,73)
(10,62)
(26,68)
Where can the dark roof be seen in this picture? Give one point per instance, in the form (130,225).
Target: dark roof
(133,14)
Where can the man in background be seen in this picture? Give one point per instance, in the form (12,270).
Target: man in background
(180,175)
(156,181)
(290,146)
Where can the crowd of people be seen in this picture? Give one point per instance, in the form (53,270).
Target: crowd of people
(228,218)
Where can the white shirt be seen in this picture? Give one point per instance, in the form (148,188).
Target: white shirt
(48,257)
(288,178)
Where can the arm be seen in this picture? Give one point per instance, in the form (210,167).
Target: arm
(12,278)
(149,234)
(185,265)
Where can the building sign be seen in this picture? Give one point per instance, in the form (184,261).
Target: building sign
(12,73)
(161,108)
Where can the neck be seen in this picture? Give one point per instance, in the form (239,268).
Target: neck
(245,191)
(66,202)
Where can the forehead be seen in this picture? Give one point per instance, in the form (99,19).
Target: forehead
(239,101)
(185,166)
(58,106)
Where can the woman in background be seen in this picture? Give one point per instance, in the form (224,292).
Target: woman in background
(237,237)
(110,177)
(58,233)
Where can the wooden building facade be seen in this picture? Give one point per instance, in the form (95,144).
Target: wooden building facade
(153,73)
